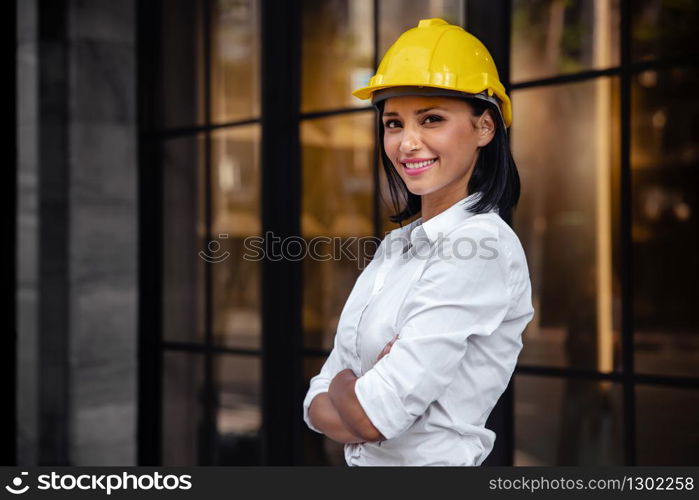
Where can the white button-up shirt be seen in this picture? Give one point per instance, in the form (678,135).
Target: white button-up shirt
(457,290)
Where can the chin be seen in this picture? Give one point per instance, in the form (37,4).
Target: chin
(420,190)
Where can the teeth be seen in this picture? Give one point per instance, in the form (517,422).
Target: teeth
(420,164)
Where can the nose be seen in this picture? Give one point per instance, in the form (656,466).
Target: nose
(410,141)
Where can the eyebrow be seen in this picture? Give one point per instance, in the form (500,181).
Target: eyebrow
(418,112)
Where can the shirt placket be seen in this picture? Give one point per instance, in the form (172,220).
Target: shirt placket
(379,281)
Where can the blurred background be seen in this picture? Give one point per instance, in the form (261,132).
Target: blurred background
(152,137)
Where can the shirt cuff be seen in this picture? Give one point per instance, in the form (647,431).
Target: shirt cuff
(312,393)
(381,404)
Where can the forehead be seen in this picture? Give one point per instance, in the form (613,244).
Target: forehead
(410,103)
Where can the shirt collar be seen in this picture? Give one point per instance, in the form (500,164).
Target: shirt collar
(439,225)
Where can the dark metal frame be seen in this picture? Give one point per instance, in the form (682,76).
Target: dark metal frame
(150,356)
(282,351)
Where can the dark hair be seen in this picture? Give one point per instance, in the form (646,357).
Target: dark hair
(494,175)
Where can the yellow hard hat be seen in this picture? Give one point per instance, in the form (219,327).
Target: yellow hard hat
(439,55)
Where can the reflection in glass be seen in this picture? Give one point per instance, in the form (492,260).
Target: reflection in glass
(552,37)
(664,28)
(337,203)
(666,426)
(665,197)
(180,92)
(239,418)
(319,449)
(183,239)
(235,62)
(182,409)
(235,198)
(563,140)
(336,53)
(567,422)
(397,16)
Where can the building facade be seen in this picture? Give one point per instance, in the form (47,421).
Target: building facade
(157,140)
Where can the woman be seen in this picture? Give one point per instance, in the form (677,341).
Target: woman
(430,334)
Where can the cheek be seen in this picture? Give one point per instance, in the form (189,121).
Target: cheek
(456,145)
(391,145)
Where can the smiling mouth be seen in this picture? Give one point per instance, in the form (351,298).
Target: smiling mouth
(416,168)
(420,164)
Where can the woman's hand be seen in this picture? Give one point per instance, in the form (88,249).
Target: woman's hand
(387,348)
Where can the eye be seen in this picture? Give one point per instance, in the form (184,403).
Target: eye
(388,123)
(437,118)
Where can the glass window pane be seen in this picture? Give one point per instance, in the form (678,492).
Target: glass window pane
(564,140)
(319,449)
(337,52)
(664,28)
(337,203)
(567,422)
(235,198)
(665,184)
(182,411)
(239,418)
(397,16)
(180,88)
(235,60)
(666,428)
(183,239)
(551,37)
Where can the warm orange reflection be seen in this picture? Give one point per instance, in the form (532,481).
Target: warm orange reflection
(337,202)
(553,37)
(234,60)
(562,142)
(397,16)
(337,52)
(235,198)
(665,195)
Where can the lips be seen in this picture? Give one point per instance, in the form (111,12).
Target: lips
(418,166)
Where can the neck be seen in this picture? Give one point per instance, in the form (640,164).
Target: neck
(435,203)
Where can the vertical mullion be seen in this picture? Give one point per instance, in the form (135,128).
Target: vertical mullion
(206,444)
(282,279)
(150,354)
(627,340)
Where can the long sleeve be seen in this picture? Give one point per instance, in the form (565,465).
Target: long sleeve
(321,382)
(456,296)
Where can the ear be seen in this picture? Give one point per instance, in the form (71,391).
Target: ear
(486,128)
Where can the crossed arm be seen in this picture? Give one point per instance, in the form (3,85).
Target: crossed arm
(338,412)
(339,415)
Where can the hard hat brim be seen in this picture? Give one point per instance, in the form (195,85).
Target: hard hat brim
(378,94)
